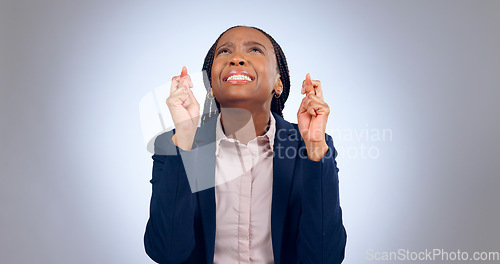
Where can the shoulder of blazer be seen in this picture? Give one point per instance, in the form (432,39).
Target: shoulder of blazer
(164,145)
(204,135)
(283,126)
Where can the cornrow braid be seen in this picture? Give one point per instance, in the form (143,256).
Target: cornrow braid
(277,104)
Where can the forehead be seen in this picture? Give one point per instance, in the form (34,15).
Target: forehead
(243,34)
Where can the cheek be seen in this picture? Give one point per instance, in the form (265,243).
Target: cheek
(269,68)
(216,69)
(268,74)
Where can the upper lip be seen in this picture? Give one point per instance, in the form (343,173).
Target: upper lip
(237,72)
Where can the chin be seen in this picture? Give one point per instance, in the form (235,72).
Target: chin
(236,100)
(239,93)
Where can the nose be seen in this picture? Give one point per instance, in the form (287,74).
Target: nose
(237,60)
(233,63)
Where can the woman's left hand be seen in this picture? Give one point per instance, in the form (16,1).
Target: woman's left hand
(312,117)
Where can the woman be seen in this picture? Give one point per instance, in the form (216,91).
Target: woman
(270,192)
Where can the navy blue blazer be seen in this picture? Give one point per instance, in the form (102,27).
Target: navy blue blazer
(306,217)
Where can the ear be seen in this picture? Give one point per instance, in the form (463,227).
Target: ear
(278,86)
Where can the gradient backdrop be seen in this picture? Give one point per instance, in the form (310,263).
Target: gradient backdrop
(413,87)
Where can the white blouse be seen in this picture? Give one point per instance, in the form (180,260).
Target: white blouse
(243,196)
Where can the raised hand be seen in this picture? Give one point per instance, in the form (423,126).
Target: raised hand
(312,118)
(184,109)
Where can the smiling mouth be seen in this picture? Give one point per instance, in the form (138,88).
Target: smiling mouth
(238,81)
(239,77)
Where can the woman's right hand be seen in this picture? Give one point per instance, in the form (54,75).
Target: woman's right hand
(184,109)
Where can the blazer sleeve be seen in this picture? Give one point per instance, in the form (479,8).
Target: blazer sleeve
(322,236)
(170,234)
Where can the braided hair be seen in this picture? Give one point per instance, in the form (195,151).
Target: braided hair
(277,104)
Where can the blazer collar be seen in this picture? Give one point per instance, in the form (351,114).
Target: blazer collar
(219,133)
(286,138)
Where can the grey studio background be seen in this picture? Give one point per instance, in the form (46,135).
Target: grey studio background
(413,88)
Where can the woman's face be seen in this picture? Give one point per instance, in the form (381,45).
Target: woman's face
(244,70)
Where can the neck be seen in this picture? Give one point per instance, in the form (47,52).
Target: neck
(244,125)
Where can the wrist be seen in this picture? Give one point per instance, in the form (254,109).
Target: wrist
(183,140)
(316,150)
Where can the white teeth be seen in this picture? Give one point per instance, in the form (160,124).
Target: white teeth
(239,77)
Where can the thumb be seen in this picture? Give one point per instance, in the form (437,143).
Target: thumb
(184,71)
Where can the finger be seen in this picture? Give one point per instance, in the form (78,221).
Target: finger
(319,106)
(310,108)
(318,91)
(316,100)
(184,82)
(315,108)
(191,96)
(308,79)
(185,76)
(303,125)
(177,99)
(307,85)
(306,101)
(187,101)
(190,100)
(181,94)
(184,71)
(179,90)
(304,105)
(304,83)
(174,83)
(188,82)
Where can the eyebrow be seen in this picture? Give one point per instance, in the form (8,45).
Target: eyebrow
(248,43)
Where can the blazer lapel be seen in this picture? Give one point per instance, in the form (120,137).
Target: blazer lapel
(205,139)
(283,168)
